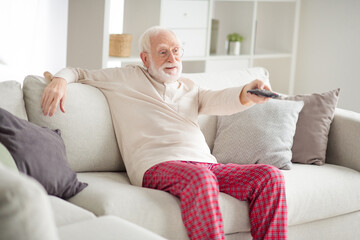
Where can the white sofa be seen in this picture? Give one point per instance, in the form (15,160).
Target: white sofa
(28,213)
(323,201)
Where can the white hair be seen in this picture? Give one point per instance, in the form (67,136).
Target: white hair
(144,41)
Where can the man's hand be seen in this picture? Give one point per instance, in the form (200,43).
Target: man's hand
(54,93)
(248,98)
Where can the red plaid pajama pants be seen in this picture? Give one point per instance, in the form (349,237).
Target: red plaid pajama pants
(198,185)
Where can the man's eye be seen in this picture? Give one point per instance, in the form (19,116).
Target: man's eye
(163,52)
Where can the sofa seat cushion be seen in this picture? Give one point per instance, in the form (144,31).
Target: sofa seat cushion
(66,213)
(320,192)
(111,193)
(105,228)
(313,193)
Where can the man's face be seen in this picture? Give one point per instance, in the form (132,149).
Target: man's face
(164,60)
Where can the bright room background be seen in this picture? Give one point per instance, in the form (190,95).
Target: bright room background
(34,39)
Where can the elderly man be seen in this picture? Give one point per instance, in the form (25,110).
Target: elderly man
(154,112)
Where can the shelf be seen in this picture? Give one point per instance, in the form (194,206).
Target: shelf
(268,53)
(272,56)
(255,0)
(234,0)
(274,1)
(228,57)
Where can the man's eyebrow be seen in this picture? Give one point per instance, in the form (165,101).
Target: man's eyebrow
(162,45)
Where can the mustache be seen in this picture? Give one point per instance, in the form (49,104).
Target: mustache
(169,65)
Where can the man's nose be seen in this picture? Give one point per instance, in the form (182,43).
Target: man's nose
(171,57)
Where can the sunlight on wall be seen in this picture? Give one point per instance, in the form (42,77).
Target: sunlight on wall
(33,37)
(116,16)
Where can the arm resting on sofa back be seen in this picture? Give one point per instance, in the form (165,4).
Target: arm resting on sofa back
(344,140)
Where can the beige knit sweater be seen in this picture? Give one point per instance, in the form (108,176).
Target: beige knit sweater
(156,122)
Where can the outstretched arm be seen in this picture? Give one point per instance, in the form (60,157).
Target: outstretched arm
(231,100)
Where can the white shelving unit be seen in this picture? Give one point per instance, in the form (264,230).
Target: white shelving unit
(269,28)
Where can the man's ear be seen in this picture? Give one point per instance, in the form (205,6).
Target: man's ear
(145,59)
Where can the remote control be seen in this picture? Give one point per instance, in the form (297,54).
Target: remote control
(263,93)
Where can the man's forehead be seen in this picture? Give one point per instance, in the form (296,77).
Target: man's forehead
(164,45)
(164,40)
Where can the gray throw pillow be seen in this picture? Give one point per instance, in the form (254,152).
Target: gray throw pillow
(313,126)
(262,134)
(40,153)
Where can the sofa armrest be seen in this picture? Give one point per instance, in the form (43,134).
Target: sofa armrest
(25,210)
(344,139)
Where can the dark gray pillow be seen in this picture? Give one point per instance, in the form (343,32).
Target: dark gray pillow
(313,126)
(40,153)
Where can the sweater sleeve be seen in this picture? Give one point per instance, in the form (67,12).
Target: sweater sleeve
(220,102)
(76,74)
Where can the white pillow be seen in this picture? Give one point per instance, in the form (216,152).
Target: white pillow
(262,134)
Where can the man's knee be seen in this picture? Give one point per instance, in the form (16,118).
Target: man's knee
(272,173)
(203,178)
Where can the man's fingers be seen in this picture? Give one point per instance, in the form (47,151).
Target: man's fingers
(52,109)
(260,84)
(48,104)
(47,107)
(267,88)
(48,76)
(257,99)
(45,104)
(53,106)
(62,103)
(51,100)
(43,100)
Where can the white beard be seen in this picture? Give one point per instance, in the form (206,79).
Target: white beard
(160,75)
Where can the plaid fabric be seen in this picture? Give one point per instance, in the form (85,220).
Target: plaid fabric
(198,185)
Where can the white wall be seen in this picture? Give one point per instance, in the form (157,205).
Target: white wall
(33,37)
(88,39)
(328,54)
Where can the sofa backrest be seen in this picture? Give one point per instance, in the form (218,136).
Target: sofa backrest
(87,128)
(12,98)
